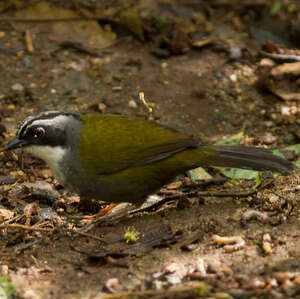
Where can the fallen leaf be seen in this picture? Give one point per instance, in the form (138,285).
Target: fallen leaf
(85,32)
(286,68)
(287,96)
(6,214)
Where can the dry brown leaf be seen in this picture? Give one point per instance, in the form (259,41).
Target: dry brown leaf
(287,96)
(174,185)
(86,32)
(6,214)
(286,68)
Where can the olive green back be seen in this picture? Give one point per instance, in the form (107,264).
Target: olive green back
(112,143)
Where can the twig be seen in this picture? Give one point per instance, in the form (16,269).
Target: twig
(28,40)
(227,194)
(74,45)
(26,227)
(47,20)
(103,219)
(282,56)
(142,99)
(17,218)
(156,204)
(22,247)
(218,180)
(238,194)
(87,235)
(33,172)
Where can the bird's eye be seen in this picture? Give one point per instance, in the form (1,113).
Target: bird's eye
(39,132)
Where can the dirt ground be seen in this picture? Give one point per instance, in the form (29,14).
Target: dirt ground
(203,66)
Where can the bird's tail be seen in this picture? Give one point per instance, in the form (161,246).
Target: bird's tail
(245,157)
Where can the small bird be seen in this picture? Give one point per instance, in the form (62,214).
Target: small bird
(117,158)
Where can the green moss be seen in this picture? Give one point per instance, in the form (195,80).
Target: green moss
(203,290)
(131,236)
(6,287)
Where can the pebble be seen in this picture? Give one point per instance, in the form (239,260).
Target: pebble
(27,62)
(236,53)
(127,68)
(97,61)
(117,88)
(132,104)
(269,123)
(273,198)
(47,213)
(164,65)
(102,107)
(289,138)
(11,107)
(174,280)
(161,53)
(233,77)
(111,284)
(274,116)
(285,110)
(268,138)
(267,62)
(7,179)
(17,87)
(222,296)
(240,294)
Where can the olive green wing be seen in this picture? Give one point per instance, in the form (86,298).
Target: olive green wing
(112,143)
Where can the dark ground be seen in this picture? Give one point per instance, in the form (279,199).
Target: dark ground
(210,90)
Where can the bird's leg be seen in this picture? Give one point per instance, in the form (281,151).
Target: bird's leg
(101,213)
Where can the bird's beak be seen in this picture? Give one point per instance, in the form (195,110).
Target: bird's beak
(14,143)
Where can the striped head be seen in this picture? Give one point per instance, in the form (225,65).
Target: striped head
(45,135)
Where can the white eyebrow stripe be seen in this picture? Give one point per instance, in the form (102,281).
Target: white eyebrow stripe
(24,124)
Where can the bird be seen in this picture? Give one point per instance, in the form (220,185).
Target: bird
(116,158)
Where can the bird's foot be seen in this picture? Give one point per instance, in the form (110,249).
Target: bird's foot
(101,213)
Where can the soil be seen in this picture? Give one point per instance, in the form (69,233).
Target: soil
(211,91)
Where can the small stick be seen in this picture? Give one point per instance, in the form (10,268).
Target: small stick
(6,222)
(227,194)
(282,56)
(149,109)
(22,247)
(29,43)
(87,235)
(33,172)
(16,225)
(46,20)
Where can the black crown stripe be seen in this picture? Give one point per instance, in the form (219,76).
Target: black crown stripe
(42,116)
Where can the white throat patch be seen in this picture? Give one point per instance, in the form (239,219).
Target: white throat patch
(52,155)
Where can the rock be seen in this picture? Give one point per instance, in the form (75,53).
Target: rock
(17,87)
(7,179)
(132,104)
(268,138)
(267,62)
